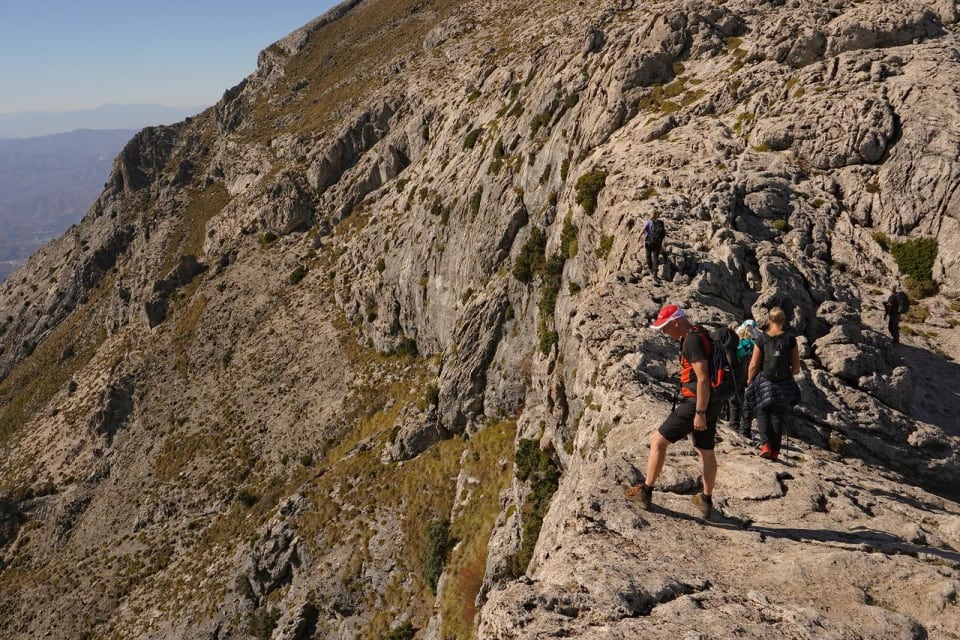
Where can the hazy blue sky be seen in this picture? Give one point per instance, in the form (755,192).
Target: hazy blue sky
(59,55)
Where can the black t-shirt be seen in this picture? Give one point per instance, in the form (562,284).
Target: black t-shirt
(693,350)
(777,352)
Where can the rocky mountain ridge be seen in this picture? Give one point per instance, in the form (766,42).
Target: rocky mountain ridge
(363,349)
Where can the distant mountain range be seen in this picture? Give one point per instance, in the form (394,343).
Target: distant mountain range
(27,124)
(47,184)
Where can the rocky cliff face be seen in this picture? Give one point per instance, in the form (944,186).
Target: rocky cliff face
(363,349)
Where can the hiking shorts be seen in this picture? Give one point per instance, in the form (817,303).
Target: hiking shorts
(679,424)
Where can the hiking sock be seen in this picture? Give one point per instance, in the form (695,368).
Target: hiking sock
(647,490)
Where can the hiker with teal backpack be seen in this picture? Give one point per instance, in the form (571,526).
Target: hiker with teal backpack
(741,413)
(654,233)
(771,389)
(705,384)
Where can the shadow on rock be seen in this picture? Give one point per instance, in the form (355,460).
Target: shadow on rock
(936,388)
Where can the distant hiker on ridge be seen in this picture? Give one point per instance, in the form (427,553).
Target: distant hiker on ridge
(898,303)
(654,232)
(696,413)
(771,389)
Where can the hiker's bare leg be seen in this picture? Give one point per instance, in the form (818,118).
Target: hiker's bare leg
(709,460)
(658,453)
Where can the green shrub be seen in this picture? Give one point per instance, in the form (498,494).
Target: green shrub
(568,238)
(836,445)
(263,622)
(532,256)
(246,498)
(606,244)
(571,100)
(552,275)
(733,43)
(431,396)
(435,551)
(588,187)
(564,169)
(538,122)
(781,225)
(381,265)
(436,208)
(297,274)
(268,237)
(915,259)
(534,466)
(401,184)
(405,631)
(546,174)
(475,201)
(881,239)
(548,338)
(407,347)
(306,460)
(919,289)
(918,313)
(552,199)
(498,151)
(471,140)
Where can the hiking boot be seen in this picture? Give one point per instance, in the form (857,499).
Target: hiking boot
(639,494)
(766,453)
(703,504)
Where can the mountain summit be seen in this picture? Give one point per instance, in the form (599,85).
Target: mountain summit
(364,350)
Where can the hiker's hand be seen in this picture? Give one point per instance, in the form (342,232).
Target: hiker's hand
(699,422)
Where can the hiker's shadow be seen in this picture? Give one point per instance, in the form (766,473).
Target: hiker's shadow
(867,539)
(717,519)
(936,384)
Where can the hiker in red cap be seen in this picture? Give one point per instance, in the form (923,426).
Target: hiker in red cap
(696,413)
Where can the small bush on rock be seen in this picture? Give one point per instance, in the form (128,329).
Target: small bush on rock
(535,466)
(435,551)
(405,631)
(532,256)
(297,274)
(588,187)
(471,140)
(881,239)
(915,258)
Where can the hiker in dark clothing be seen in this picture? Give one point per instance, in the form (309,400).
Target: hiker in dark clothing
(897,304)
(741,413)
(697,412)
(771,389)
(654,232)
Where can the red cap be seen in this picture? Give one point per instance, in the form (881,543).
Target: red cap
(667,314)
